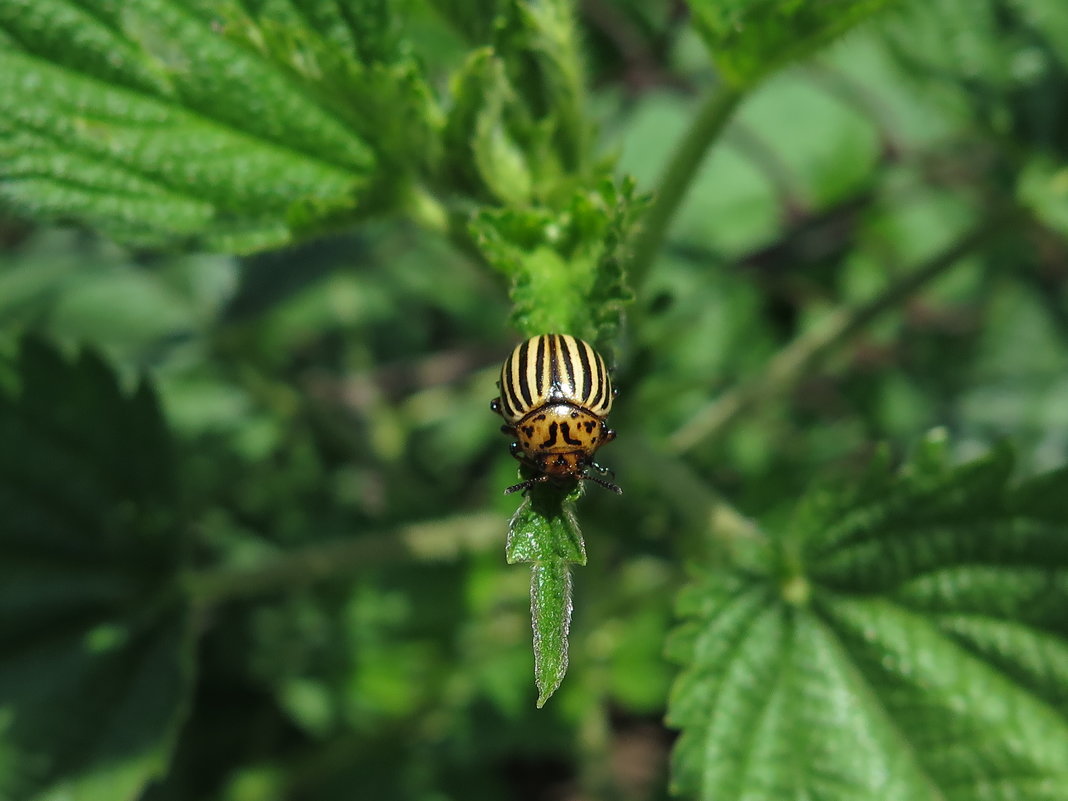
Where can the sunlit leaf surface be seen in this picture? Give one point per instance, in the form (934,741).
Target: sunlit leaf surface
(903,639)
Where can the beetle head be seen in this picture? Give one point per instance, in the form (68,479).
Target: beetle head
(559,467)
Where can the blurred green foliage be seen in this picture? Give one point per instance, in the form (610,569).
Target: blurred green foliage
(260,262)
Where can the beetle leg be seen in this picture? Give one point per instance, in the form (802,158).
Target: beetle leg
(609,435)
(604,471)
(525,485)
(495,405)
(516,452)
(509,430)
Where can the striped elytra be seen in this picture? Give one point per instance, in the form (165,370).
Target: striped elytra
(555,395)
(552,368)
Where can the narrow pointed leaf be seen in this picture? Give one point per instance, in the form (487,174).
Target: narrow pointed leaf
(545,533)
(550,613)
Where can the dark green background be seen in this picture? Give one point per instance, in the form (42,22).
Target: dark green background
(336,390)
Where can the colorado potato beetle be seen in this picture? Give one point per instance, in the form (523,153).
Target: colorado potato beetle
(555,396)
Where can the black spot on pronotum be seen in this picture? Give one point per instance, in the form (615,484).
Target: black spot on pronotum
(565,429)
(553,428)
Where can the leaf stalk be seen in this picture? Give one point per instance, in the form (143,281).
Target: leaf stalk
(798,358)
(435,541)
(711,118)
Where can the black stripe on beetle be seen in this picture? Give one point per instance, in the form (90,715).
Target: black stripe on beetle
(543,345)
(569,368)
(584,360)
(601,376)
(524,383)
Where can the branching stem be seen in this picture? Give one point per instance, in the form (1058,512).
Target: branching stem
(434,541)
(794,361)
(677,177)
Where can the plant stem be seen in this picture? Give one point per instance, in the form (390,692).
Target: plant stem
(439,540)
(679,174)
(794,361)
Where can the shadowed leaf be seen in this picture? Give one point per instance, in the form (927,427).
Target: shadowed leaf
(95,644)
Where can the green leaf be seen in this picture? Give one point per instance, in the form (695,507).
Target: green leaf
(1043,187)
(550,611)
(992,64)
(611,292)
(475,20)
(904,640)
(95,642)
(750,39)
(544,532)
(542,45)
(519,128)
(534,50)
(566,266)
(369,81)
(544,528)
(484,157)
(165,121)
